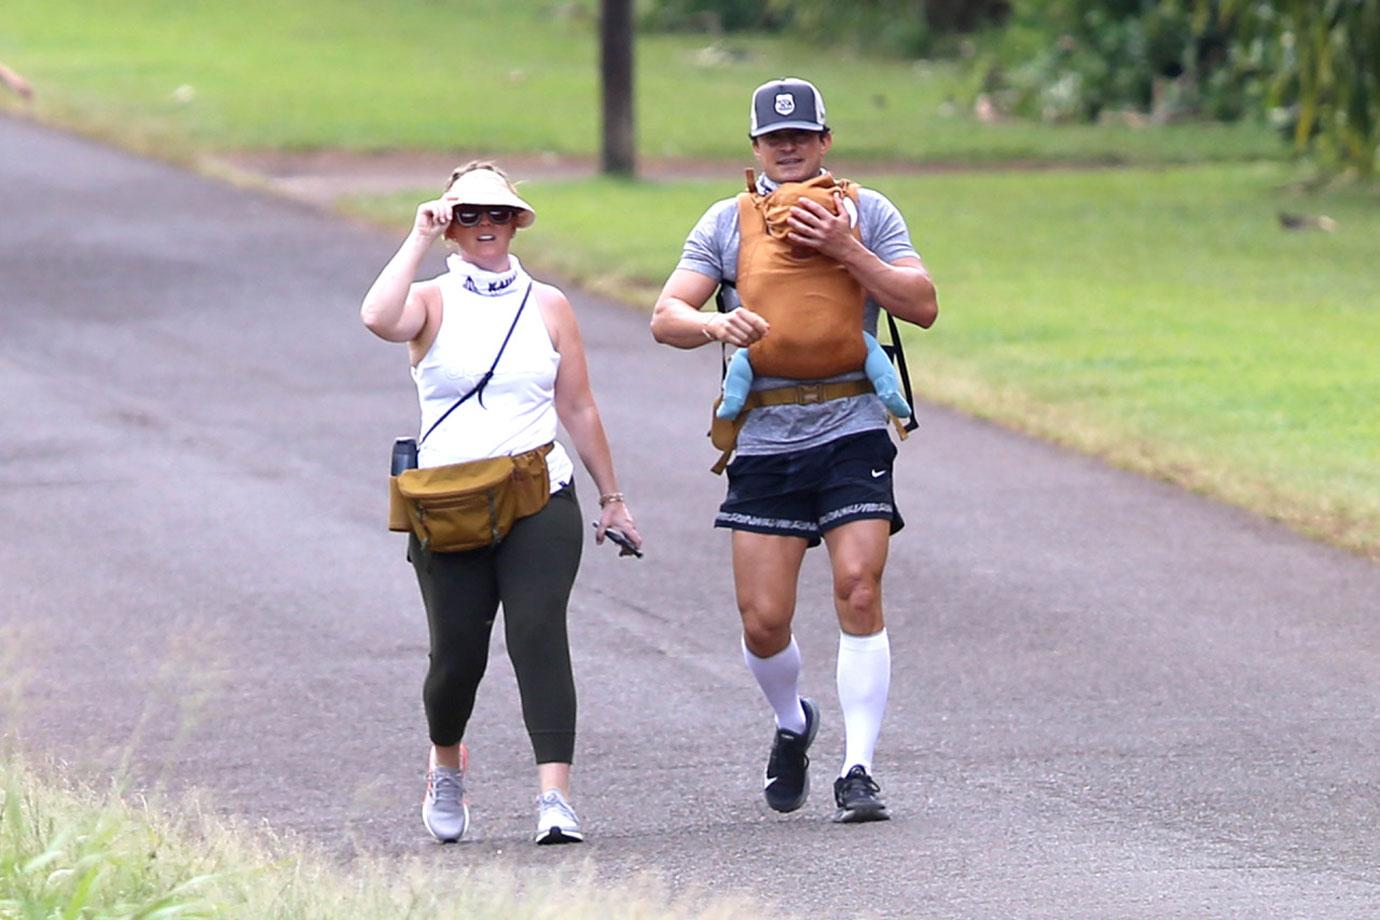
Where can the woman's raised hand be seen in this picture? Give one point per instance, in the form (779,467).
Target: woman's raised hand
(433,217)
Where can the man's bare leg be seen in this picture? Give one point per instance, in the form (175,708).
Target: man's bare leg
(857,554)
(765,571)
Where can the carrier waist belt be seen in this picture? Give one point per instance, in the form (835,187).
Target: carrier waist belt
(806,394)
(724,432)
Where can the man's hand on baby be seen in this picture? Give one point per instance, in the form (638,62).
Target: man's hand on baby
(816,227)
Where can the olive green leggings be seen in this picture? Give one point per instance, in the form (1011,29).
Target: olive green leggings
(530,573)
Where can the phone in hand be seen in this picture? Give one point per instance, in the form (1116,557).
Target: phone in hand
(618,537)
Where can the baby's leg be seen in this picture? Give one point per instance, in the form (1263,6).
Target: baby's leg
(884,380)
(737,383)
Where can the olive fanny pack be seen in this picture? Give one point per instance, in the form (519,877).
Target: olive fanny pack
(471,505)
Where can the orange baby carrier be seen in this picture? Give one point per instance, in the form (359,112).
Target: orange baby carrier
(813,303)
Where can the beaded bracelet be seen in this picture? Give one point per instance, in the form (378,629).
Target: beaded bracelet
(609,498)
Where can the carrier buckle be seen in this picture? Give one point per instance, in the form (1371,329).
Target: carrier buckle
(810,393)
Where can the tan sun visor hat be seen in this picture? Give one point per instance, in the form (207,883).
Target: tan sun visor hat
(487,188)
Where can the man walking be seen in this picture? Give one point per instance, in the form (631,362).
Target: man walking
(814,460)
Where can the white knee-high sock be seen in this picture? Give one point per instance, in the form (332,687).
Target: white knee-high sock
(864,678)
(779,678)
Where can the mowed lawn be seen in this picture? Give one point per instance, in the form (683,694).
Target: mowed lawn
(484,75)
(1160,318)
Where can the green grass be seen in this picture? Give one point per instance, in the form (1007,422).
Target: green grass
(69,852)
(1159,318)
(498,77)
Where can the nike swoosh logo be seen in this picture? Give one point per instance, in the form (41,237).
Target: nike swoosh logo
(876,473)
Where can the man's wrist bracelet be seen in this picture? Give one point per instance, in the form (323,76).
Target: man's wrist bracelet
(608,498)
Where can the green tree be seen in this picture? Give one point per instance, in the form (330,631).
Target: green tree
(1322,58)
(1311,65)
(1071,60)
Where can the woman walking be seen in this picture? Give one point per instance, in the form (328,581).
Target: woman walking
(497,359)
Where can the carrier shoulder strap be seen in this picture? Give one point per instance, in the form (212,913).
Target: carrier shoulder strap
(723,308)
(478,388)
(750,183)
(898,354)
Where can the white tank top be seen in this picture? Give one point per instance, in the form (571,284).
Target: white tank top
(516,411)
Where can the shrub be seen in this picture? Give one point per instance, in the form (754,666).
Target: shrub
(896,27)
(709,16)
(1077,59)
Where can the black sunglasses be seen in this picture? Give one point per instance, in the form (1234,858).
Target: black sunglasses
(467,216)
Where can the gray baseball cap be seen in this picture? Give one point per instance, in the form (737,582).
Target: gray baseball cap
(786,103)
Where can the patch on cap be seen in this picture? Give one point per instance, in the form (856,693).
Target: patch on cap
(786,103)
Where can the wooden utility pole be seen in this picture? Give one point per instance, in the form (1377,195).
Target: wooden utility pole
(616,66)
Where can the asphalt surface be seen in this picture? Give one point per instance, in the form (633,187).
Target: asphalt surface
(1110,698)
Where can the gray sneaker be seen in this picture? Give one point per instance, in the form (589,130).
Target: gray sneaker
(556,821)
(445,810)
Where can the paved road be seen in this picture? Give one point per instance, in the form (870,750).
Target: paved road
(1111,698)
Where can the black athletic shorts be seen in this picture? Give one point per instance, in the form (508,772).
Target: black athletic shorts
(807,492)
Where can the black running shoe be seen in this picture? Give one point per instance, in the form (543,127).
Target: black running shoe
(858,797)
(788,780)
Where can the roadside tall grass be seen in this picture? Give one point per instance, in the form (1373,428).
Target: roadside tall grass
(495,76)
(70,852)
(1164,320)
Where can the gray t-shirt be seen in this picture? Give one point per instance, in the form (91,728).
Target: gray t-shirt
(712,250)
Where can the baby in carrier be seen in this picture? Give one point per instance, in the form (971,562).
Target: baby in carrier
(813,304)
(877,366)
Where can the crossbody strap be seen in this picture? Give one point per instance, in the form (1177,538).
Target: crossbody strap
(478,388)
